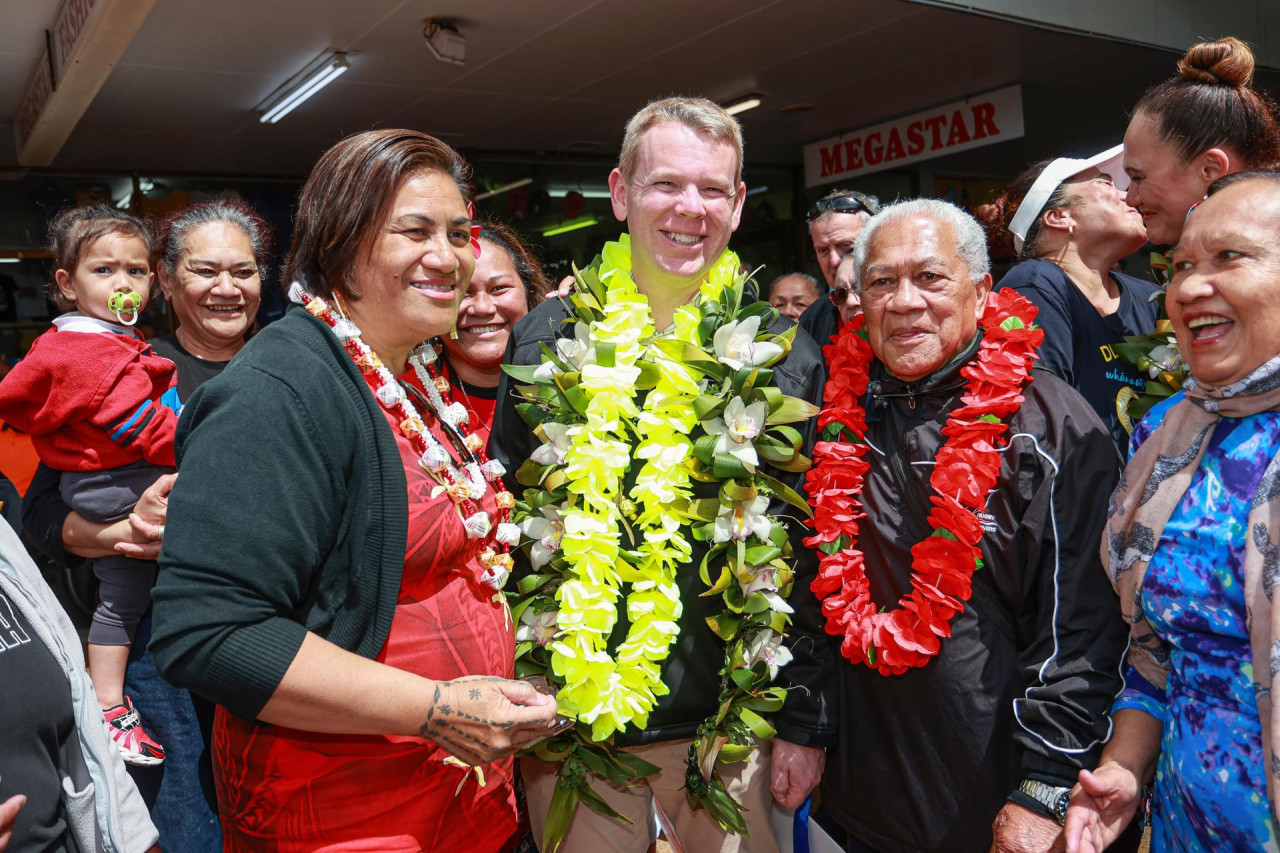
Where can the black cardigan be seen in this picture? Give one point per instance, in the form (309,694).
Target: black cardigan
(290,515)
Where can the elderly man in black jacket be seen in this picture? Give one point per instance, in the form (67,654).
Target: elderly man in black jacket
(678,186)
(993,719)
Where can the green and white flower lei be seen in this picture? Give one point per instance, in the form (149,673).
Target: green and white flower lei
(692,405)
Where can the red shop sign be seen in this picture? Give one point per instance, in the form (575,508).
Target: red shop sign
(974,122)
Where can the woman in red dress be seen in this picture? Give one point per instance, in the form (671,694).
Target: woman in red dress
(508,283)
(336,542)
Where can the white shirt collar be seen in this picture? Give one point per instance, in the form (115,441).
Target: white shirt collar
(73,322)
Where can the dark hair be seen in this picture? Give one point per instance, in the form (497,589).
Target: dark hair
(997,216)
(1240,177)
(177,227)
(348,195)
(536,284)
(818,288)
(870,202)
(73,230)
(1210,103)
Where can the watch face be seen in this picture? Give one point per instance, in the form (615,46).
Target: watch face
(1060,805)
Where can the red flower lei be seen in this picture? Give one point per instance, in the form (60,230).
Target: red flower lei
(967,467)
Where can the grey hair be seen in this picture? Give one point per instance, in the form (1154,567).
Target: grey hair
(818,287)
(971,240)
(177,227)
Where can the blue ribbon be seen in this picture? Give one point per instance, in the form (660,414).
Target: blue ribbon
(800,827)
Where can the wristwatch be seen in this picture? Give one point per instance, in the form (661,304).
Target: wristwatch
(1052,798)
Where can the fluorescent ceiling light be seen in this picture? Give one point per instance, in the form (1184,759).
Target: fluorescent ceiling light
(741,105)
(757,191)
(505,188)
(571,226)
(585,192)
(10,260)
(319,73)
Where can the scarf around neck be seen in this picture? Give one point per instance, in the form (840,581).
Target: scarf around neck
(1150,490)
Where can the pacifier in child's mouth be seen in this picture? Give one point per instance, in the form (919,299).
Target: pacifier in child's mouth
(121,303)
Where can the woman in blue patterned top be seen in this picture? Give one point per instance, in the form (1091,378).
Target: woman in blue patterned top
(1189,549)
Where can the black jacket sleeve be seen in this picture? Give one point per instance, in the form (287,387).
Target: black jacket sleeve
(809,716)
(43,514)
(821,321)
(1071,637)
(510,440)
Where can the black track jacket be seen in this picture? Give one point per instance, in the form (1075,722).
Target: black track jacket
(1024,684)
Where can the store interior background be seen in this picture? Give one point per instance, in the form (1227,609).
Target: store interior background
(545,91)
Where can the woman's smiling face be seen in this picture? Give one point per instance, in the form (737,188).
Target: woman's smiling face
(414,275)
(216,287)
(1224,299)
(494,301)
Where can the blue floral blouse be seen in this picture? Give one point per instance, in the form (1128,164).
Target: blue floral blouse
(1210,791)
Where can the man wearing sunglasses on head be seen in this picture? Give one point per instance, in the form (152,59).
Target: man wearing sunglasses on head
(835,221)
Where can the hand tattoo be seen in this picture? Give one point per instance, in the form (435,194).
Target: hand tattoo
(451,728)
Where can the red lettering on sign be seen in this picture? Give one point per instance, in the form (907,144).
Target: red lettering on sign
(959,134)
(852,155)
(915,139)
(872,149)
(831,160)
(935,123)
(984,120)
(69,27)
(33,104)
(894,150)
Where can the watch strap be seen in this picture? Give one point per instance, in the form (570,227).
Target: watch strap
(1042,798)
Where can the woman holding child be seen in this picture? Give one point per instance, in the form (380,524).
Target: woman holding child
(209,259)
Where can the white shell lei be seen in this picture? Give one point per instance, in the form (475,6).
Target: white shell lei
(472,477)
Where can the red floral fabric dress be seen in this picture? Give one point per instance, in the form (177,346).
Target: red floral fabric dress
(285,791)
(479,402)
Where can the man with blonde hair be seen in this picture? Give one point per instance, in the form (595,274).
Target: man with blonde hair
(678,186)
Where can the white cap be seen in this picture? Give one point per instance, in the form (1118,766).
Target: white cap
(1109,162)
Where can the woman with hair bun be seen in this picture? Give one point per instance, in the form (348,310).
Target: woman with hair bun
(1202,124)
(1070,225)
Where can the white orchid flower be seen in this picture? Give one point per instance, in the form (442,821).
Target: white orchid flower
(575,351)
(766,582)
(767,646)
(1166,357)
(546,533)
(743,520)
(736,345)
(536,627)
(736,431)
(556,447)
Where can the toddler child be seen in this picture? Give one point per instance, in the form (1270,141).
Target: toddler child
(92,395)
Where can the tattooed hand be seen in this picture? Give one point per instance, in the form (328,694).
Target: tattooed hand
(481,718)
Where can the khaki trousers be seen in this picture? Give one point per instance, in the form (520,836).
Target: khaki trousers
(591,832)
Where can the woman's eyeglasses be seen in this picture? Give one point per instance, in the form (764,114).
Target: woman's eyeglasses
(839,204)
(838,295)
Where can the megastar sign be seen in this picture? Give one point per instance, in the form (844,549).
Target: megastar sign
(974,122)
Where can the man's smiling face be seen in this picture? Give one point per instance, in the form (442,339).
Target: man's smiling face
(681,205)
